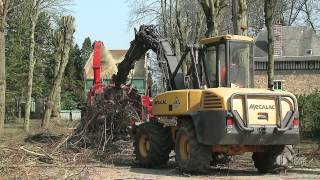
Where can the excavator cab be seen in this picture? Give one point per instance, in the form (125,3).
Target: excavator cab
(228,61)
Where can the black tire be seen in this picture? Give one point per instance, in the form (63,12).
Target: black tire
(277,158)
(220,159)
(152,145)
(191,156)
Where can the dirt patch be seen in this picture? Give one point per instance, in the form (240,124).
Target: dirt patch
(118,161)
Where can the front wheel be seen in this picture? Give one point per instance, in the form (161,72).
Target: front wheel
(152,144)
(191,156)
(274,159)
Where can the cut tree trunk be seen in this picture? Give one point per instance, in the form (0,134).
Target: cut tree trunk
(63,38)
(240,17)
(57,102)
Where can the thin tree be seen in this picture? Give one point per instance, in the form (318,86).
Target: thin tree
(3,15)
(269,10)
(63,40)
(34,11)
(308,11)
(34,8)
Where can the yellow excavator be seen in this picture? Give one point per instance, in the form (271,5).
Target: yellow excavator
(213,110)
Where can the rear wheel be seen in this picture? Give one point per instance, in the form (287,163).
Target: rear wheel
(191,156)
(276,158)
(152,144)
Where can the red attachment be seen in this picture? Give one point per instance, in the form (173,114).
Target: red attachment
(229,122)
(147,107)
(96,65)
(295,123)
(97,62)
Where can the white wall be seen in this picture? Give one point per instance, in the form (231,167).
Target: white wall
(66,115)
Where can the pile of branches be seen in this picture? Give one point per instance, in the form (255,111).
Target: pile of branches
(114,113)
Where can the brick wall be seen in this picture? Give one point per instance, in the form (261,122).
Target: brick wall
(277,44)
(297,82)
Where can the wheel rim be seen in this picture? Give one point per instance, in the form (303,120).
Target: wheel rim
(184,147)
(144,145)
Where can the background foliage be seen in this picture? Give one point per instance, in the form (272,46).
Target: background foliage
(309,108)
(17,51)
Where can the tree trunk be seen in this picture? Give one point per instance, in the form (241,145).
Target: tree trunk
(240,17)
(64,36)
(19,109)
(209,9)
(34,14)
(3,14)
(57,106)
(181,40)
(269,9)
(30,74)
(57,101)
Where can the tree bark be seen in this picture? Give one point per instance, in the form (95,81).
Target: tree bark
(57,102)
(64,36)
(181,40)
(240,17)
(3,14)
(33,18)
(211,9)
(269,9)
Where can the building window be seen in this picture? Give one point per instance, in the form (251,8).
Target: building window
(288,65)
(278,85)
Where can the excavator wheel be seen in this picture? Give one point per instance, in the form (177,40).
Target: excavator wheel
(191,156)
(152,145)
(275,159)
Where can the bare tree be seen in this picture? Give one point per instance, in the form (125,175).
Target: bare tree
(63,41)
(212,10)
(181,22)
(269,10)
(287,12)
(34,8)
(3,15)
(292,8)
(311,9)
(188,25)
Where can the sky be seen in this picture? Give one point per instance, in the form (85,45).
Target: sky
(103,20)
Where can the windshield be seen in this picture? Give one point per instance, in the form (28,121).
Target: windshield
(210,65)
(214,55)
(240,71)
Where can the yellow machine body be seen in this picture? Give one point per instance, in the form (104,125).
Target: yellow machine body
(184,102)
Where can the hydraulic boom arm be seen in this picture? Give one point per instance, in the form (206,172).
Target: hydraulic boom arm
(147,38)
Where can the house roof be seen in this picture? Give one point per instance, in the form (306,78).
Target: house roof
(293,41)
(225,37)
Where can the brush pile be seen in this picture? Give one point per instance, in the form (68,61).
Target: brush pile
(111,118)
